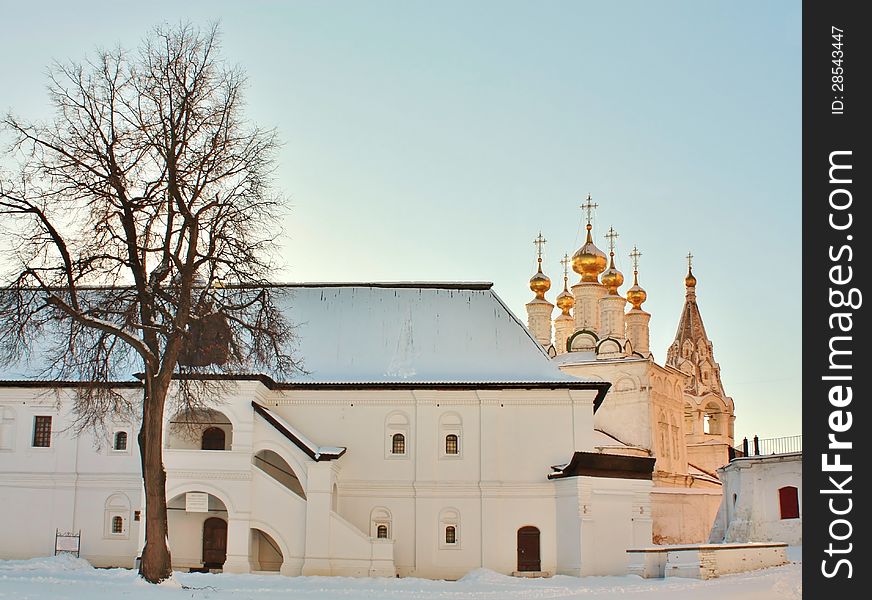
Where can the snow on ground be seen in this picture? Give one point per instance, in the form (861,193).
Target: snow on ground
(66,577)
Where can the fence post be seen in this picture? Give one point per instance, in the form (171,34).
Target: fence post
(756,446)
(745,446)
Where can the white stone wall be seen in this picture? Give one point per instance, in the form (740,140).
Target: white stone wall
(750,510)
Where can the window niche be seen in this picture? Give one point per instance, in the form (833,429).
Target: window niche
(449,529)
(116,517)
(450,436)
(380,523)
(396,436)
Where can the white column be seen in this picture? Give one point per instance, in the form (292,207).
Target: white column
(638,330)
(587,295)
(238,543)
(318,506)
(564,326)
(611,308)
(539,320)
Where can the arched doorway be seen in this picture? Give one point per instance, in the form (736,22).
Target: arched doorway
(212,439)
(214,542)
(528,549)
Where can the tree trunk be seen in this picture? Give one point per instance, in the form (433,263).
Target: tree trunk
(156,564)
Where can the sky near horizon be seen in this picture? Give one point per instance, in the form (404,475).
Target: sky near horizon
(433,141)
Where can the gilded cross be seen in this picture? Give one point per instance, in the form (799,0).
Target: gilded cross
(611,236)
(689,261)
(634,256)
(589,207)
(539,242)
(565,262)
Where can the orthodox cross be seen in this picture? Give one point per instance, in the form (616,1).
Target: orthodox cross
(689,261)
(611,236)
(565,262)
(634,256)
(589,207)
(539,242)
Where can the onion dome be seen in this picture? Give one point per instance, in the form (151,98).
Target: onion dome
(612,278)
(589,261)
(690,280)
(565,299)
(636,295)
(540,283)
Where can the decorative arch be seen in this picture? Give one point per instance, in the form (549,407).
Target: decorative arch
(582,340)
(258,530)
(381,523)
(274,534)
(298,467)
(608,346)
(117,506)
(625,383)
(449,534)
(197,486)
(276,467)
(450,435)
(186,430)
(396,435)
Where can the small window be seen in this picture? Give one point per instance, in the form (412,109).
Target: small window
(450,535)
(41,432)
(451,444)
(788,498)
(117,524)
(382,532)
(213,439)
(398,444)
(120,440)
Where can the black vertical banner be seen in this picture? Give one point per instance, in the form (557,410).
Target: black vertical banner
(837,432)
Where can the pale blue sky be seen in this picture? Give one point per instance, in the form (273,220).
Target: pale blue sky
(432,141)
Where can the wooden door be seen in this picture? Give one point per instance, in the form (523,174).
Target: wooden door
(528,549)
(214,542)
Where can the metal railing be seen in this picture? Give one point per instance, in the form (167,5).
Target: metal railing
(765,447)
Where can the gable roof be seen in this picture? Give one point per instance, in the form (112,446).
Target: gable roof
(400,333)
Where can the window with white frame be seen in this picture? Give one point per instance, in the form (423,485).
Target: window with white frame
(116,516)
(397,435)
(120,441)
(380,523)
(450,434)
(449,529)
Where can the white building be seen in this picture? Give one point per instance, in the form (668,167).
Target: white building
(431,435)
(676,412)
(762,500)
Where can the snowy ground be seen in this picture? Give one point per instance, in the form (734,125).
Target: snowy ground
(65,577)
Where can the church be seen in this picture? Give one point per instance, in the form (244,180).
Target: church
(431,433)
(676,412)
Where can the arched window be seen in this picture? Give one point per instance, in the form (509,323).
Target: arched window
(451,534)
(788,499)
(449,525)
(398,444)
(396,435)
(116,512)
(120,440)
(451,443)
(451,430)
(213,439)
(380,523)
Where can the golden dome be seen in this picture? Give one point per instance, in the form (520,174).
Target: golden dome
(565,301)
(613,279)
(690,280)
(540,283)
(589,261)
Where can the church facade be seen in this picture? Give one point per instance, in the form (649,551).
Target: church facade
(431,434)
(676,412)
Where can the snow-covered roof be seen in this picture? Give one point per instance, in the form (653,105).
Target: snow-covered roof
(405,333)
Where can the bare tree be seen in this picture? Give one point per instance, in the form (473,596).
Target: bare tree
(140,226)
